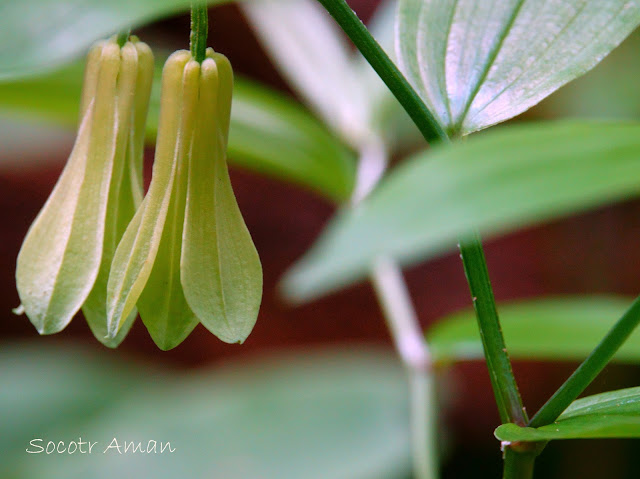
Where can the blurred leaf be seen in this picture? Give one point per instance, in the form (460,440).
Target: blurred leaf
(42,34)
(480,63)
(614,414)
(269,133)
(500,181)
(48,386)
(551,329)
(334,414)
(311,52)
(273,135)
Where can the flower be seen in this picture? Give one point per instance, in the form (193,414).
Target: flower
(64,260)
(187,256)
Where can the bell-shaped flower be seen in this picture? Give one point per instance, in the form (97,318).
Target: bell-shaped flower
(64,262)
(187,256)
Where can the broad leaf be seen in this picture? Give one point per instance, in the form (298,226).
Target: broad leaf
(269,133)
(614,414)
(480,63)
(53,385)
(551,329)
(592,95)
(497,182)
(322,414)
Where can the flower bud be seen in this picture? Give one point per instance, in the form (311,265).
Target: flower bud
(64,260)
(187,256)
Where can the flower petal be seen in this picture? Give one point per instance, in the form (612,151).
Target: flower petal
(221,271)
(126,190)
(60,257)
(162,305)
(150,237)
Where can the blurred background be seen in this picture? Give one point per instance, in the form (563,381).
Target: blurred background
(316,390)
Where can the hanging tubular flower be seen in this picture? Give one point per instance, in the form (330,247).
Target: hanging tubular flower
(187,256)
(64,260)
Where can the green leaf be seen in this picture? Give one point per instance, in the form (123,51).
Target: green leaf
(497,182)
(54,385)
(41,34)
(480,63)
(591,96)
(273,135)
(269,133)
(614,414)
(334,413)
(563,328)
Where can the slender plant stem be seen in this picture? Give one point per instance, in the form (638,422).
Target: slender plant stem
(123,36)
(404,327)
(505,388)
(424,424)
(401,316)
(199,31)
(407,335)
(518,465)
(504,384)
(503,381)
(386,69)
(590,368)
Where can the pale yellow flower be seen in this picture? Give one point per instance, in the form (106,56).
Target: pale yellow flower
(187,256)
(64,261)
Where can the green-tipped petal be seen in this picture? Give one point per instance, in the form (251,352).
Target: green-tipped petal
(60,257)
(135,256)
(221,271)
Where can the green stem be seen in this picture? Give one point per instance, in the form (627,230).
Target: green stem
(123,37)
(504,384)
(199,31)
(386,69)
(590,368)
(518,465)
(505,388)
